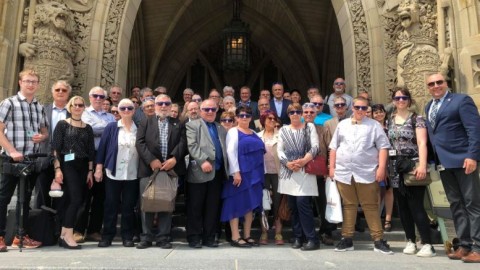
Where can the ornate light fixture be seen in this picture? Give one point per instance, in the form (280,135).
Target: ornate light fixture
(236,40)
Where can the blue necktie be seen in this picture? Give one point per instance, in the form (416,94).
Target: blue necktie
(433,112)
(212,129)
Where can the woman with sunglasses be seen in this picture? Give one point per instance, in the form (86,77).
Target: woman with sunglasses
(242,193)
(227,120)
(118,156)
(297,145)
(269,136)
(386,192)
(74,151)
(408,135)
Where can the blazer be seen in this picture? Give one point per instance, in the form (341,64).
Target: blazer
(148,145)
(283,116)
(201,149)
(456,135)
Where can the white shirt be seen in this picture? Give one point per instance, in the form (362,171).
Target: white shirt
(127,156)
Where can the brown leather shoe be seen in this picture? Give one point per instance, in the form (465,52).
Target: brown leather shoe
(472,257)
(458,254)
(78,237)
(3,247)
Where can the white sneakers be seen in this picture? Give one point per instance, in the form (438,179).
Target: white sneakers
(426,251)
(410,249)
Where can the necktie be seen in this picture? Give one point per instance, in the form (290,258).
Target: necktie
(433,112)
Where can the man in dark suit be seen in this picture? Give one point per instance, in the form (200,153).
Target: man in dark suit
(453,126)
(245,100)
(279,104)
(55,112)
(206,173)
(161,144)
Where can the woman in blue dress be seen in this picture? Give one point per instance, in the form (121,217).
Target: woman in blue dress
(242,193)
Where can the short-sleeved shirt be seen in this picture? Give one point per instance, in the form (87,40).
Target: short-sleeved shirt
(22,120)
(403,137)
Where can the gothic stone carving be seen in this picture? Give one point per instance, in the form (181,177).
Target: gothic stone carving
(362,49)
(52,50)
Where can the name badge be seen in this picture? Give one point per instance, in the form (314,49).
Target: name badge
(69,157)
(440,168)
(392,153)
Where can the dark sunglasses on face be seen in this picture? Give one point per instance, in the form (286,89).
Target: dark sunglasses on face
(197,99)
(163,103)
(80,105)
(244,115)
(339,83)
(318,104)
(432,84)
(272,118)
(308,105)
(128,108)
(339,105)
(295,112)
(209,109)
(114,112)
(361,108)
(97,96)
(63,90)
(308,112)
(226,120)
(404,98)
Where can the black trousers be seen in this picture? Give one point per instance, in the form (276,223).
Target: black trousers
(42,187)
(74,184)
(463,193)
(203,208)
(91,213)
(303,224)
(412,212)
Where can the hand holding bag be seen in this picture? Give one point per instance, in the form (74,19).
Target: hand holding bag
(160,192)
(318,165)
(333,211)
(409,178)
(266,200)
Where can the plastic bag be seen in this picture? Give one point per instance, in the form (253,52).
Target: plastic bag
(333,212)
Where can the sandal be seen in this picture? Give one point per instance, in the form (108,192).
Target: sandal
(236,243)
(263,239)
(251,241)
(388,226)
(279,239)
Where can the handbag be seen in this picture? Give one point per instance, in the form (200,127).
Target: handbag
(333,211)
(318,165)
(266,200)
(284,211)
(160,192)
(409,178)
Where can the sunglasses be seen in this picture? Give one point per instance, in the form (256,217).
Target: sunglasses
(339,83)
(361,108)
(339,105)
(116,93)
(432,84)
(127,108)
(226,120)
(318,104)
(404,98)
(295,112)
(114,112)
(308,105)
(207,110)
(308,112)
(272,118)
(244,115)
(163,103)
(80,105)
(97,96)
(197,99)
(63,90)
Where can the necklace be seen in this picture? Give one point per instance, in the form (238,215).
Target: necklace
(78,120)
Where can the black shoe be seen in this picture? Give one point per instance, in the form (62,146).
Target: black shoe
(164,245)
(252,242)
(136,239)
(237,243)
(104,243)
(212,244)
(310,245)
(346,244)
(144,244)
(195,244)
(128,243)
(65,245)
(382,247)
(297,243)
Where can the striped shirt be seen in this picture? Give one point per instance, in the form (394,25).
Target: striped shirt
(22,120)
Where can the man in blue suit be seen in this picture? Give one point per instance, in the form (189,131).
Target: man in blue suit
(453,126)
(279,104)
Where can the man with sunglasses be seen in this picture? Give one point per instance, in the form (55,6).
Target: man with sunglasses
(91,219)
(339,87)
(358,159)
(453,125)
(321,116)
(206,173)
(161,144)
(279,104)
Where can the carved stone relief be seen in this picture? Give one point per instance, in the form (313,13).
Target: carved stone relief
(362,49)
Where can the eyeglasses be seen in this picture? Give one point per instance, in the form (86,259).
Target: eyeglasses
(339,83)
(339,105)
(244,115)
(197,100)
(432,84)
(308,112)
(115,93)
(298,112)
(114,112)
(163,103)
(308,105)
(318,104)
(272,118)
(404,98)
(226,120)
(127,108)
(207,110)
(263,105)
(63,90)
(29,82)
(97,96)
(361,108)
(80,105)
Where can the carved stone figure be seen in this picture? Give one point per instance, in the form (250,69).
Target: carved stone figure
(51,49)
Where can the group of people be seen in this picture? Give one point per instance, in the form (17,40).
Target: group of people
(229,153)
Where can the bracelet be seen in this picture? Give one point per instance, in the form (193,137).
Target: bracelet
(90,170)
